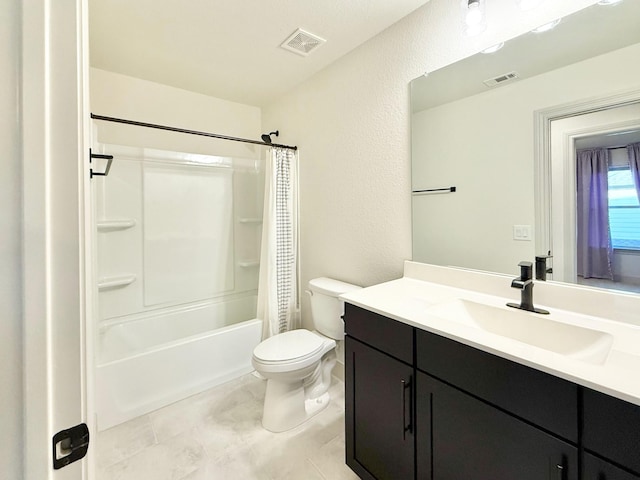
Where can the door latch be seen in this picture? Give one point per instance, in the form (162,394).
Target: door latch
(70,445)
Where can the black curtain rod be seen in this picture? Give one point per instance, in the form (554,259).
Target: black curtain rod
(191,132)
(615,147)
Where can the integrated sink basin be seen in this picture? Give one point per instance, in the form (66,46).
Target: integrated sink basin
(585,344)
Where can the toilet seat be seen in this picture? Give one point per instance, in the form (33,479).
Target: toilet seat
(291,350)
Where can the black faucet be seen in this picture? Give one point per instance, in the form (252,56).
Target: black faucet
(525,284)
(541,266)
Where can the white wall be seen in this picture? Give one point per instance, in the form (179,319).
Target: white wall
(130,98)
(488,154)
(626,266)
(352,124)
(11,363)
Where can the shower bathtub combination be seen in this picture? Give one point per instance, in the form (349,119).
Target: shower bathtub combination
(178,242)
(152,362)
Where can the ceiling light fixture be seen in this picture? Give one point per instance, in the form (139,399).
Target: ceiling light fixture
(474,18)
(473,14)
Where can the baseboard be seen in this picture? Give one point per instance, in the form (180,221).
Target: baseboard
(338,371)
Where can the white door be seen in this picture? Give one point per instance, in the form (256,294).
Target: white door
(54,118)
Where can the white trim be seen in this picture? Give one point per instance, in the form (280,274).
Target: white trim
(563,198)
(88,243)
(36,319)
(542,154)
(54,119)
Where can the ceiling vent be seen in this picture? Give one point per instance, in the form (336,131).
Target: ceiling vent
(302,43)
(507,77)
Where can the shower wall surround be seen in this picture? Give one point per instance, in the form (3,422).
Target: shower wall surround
(172,230)
(178,244)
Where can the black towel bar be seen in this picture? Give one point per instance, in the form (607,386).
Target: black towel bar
(432,190)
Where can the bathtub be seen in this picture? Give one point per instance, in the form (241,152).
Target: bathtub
(158,358)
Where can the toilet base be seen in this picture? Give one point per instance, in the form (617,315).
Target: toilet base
(285,406)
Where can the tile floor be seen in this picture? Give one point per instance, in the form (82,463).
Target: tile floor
(217,435)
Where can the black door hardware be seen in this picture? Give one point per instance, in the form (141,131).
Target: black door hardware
(70,445)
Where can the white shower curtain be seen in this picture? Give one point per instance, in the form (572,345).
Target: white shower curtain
(278,305)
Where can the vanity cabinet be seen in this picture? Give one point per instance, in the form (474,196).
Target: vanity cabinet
(595,468)
(421,406)
(492,416)
(459,437)
(379,403)
(612,431)
(534,396)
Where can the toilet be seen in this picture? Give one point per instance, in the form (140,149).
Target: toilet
(297,364)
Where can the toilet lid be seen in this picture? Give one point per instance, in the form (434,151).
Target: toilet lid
(288,346)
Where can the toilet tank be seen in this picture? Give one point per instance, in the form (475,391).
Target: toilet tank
(326,308)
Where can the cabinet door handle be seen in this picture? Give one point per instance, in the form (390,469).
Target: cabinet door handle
(406,427)
(558,467)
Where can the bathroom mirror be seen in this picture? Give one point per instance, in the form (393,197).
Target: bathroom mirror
(476,127)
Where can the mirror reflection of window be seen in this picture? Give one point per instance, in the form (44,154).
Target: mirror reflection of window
(608,215)
(624,209)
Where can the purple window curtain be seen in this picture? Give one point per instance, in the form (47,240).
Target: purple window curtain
(592,202)
(633,150)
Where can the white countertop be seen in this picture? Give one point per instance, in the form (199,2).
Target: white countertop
(409,300)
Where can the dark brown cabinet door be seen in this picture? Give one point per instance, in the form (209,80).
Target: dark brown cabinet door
(597,469)
(612,429)
(378,414)
(537,397)
(466,438)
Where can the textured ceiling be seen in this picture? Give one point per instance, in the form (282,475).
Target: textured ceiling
(230,49)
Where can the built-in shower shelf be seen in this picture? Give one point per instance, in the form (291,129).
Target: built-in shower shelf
(249,263)
(255,221)
(107,283)
(113,225)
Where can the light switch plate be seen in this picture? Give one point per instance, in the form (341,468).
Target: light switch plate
(522,232)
